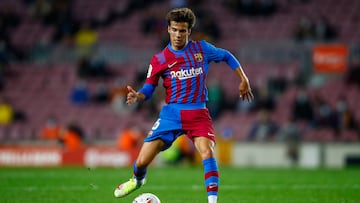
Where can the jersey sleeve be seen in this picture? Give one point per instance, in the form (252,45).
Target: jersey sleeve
(218,54)
(152,79)
(147,90)
(153,73)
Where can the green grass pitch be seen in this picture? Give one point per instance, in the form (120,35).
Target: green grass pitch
(180,184)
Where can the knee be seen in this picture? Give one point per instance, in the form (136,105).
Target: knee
(205,147)
(206,153)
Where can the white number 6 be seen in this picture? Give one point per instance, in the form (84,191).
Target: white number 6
(156,124)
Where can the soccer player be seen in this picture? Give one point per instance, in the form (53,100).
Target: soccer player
(183,65)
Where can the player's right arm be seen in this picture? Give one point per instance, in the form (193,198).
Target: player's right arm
(148,88)
(144,93)
(134,96)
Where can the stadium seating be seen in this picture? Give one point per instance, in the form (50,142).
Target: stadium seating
(41,90)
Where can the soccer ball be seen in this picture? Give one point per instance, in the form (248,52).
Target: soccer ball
(147,198)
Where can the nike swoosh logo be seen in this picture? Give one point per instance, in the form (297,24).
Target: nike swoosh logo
(212,185)
(210,134)
(171,65)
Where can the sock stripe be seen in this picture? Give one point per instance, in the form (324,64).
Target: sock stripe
(211,176)
(211,173)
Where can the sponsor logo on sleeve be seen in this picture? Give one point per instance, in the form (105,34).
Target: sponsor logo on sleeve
(149,71)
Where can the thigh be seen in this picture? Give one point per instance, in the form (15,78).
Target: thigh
(148,152)
(165,130)
(197,123)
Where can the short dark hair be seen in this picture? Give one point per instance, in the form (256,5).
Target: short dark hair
(182,15)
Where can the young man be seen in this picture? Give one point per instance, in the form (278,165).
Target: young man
(183,65)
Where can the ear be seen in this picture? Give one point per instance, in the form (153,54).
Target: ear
(168,29)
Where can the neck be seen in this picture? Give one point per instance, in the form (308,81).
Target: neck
(179,48)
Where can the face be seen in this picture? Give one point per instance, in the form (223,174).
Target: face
(179,33)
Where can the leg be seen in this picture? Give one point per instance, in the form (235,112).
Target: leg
(147,153)
(205,147)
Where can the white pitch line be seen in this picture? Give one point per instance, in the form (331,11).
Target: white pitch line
(258,187)
(93,186)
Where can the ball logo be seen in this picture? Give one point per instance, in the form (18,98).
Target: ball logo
(147,198)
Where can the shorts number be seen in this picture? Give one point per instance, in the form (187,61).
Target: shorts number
(156,124)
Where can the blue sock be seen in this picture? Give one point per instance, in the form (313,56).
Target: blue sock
(139,173)
(211,175)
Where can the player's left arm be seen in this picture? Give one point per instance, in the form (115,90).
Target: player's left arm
(244,86)
(218,54)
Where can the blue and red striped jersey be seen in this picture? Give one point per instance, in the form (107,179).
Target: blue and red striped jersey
(184,71)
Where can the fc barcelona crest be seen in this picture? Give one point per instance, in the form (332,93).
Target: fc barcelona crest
(198,57)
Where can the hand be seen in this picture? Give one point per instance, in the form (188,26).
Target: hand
(132,96)
(245,91)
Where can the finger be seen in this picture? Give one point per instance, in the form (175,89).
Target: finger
(250,96)
(131,89)
(129,101)
(242,97)
(246,96)
(131,96)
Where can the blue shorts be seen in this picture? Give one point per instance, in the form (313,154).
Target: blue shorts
(177,119)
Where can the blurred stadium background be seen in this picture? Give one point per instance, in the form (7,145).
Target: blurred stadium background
(67,62)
